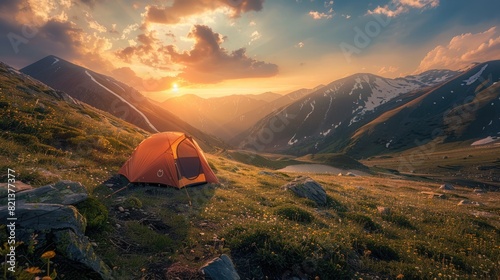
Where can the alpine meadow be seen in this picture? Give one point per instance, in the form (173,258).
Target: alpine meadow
(249,139)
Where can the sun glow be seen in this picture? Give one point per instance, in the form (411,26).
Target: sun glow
(175,87)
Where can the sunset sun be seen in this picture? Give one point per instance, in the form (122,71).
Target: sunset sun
(175,87)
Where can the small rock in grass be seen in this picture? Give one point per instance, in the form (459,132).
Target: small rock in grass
(468,202)
(383,210)
(447,186)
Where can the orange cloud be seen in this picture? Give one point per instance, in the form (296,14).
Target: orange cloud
(462,50)
(208,62)
(184,8)
(398,7)
(318,15)
(129,77)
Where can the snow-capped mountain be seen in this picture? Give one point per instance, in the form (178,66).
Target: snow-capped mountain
(464,109)
(110,95)
(336,111)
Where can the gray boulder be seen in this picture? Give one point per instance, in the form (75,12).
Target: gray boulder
(308,188)
(221,268)
(62,192)
(61,225)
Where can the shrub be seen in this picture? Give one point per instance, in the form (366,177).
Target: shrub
(294,213)
(132,202)
(399,220)
(364,221)
(335,204)
(94,211)
(376,250)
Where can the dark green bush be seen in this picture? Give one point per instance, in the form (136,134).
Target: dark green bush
(132,202)
(94,211)
(364,221)
(294,213)
(376,250)
(399,220)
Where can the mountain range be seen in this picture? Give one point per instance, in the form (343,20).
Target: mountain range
(231,115)
(361,115)
(110,95)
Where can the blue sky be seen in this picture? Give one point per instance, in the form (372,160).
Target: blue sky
(218,47)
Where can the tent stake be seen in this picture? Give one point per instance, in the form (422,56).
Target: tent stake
(188,196)
(117,191)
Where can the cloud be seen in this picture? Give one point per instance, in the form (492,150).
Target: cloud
(90,3)
(129,77)
(181,9)
(388,70)
(208,62)
(300,45)
(254,37)
(398,7)
(317,15)
(147,50)
(462,50)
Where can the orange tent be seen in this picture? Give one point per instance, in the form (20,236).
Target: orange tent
(169,158)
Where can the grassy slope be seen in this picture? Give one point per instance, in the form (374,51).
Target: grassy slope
(270,232)
(45,139)
(479,165)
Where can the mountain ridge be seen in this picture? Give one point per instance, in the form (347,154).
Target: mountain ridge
(111,95)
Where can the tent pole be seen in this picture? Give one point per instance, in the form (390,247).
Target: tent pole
(188,196)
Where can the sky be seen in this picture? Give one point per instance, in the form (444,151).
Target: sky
(221,47)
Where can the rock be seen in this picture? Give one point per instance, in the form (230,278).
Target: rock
(121,209)
(359,188)
(447,186)
(350,174)
(479,191)
(383,210)
(267,173)
(434,195)
(340,174)
(468,202)
(308,188)
(62,192)
(20,186)
(63,226)
(221,268)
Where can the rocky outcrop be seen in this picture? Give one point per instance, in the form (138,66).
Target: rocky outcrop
(48,213)
(307,188)
(220,268)
(62,192)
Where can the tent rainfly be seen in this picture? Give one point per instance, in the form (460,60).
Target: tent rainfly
(169,158)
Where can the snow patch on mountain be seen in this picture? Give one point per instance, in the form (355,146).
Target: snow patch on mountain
(56,60)
(357,85)
(485,141)
(312,110)
(124,101)
(472,79)
(329,106)
(119,86)
(292,140)
(326,132)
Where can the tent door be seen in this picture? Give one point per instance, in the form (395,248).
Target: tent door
(188,162)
